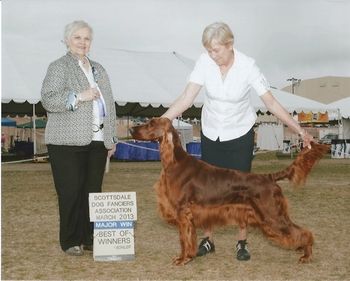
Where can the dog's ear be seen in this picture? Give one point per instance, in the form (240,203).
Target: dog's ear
(169,137)
(167,149)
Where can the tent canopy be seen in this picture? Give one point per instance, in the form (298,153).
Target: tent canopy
(147,78)
(343,105)
(144,84)
(291,102)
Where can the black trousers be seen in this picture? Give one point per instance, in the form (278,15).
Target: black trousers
(77,171)
(233,154)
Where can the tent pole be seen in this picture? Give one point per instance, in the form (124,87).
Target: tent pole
(340,125)
(34,130)
(127,127)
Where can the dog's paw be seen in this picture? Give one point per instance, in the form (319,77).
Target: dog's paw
(305,259)
(181,260)
(178,260)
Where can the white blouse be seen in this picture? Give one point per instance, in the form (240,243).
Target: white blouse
(227,111)
(97,119)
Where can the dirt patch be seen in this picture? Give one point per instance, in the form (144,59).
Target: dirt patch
(30,248)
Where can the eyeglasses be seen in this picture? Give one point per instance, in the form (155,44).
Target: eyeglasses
(96,128)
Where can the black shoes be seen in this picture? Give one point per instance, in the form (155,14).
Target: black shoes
(242,251)
(205,247)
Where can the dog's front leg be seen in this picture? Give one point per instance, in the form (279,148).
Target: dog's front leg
(188,237)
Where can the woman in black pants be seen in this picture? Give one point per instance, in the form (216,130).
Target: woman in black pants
(80,133)
(227,115)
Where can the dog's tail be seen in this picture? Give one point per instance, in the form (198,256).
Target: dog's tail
(298,171)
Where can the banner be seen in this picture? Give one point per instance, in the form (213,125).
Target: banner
(114,215)
(310,117)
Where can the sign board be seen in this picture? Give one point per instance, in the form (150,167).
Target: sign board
(114,240)
(113,206)
(114,215)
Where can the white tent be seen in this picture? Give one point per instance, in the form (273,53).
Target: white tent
(147,78)
(178,124)
(291,102)
(155,78)
(185,130)
(343,105)
(270,137)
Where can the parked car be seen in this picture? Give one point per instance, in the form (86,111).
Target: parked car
(327,139)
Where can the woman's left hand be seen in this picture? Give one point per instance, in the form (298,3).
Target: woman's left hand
(111,151)
(307,138)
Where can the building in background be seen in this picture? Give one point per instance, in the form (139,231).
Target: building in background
(326,89)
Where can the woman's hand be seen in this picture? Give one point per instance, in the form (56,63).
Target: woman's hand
(184,101)
(307,138)
(111,151)
(281,113)
(88,95)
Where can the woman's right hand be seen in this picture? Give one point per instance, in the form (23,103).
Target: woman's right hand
(184,101)
(88,95)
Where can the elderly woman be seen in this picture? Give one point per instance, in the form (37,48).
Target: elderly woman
(80,133)
(227,137)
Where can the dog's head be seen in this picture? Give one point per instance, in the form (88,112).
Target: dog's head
(154,129)
(162,130)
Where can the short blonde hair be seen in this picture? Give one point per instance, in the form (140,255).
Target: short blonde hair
(73,27)
(219,31)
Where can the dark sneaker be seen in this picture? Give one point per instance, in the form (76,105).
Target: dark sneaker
(242,250)
(205,247)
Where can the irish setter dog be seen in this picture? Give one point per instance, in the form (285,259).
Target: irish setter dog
(193,194)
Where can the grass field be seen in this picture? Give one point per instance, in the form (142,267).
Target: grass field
(30,248)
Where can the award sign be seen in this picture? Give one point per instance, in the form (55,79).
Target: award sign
(114,215)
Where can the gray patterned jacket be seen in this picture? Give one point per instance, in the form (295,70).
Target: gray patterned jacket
(66,127)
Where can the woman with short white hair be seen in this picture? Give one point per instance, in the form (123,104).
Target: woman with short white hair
(80,133)
(228,117)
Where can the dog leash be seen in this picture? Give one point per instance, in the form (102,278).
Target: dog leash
(333,152)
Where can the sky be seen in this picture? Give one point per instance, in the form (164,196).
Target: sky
(299,38)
